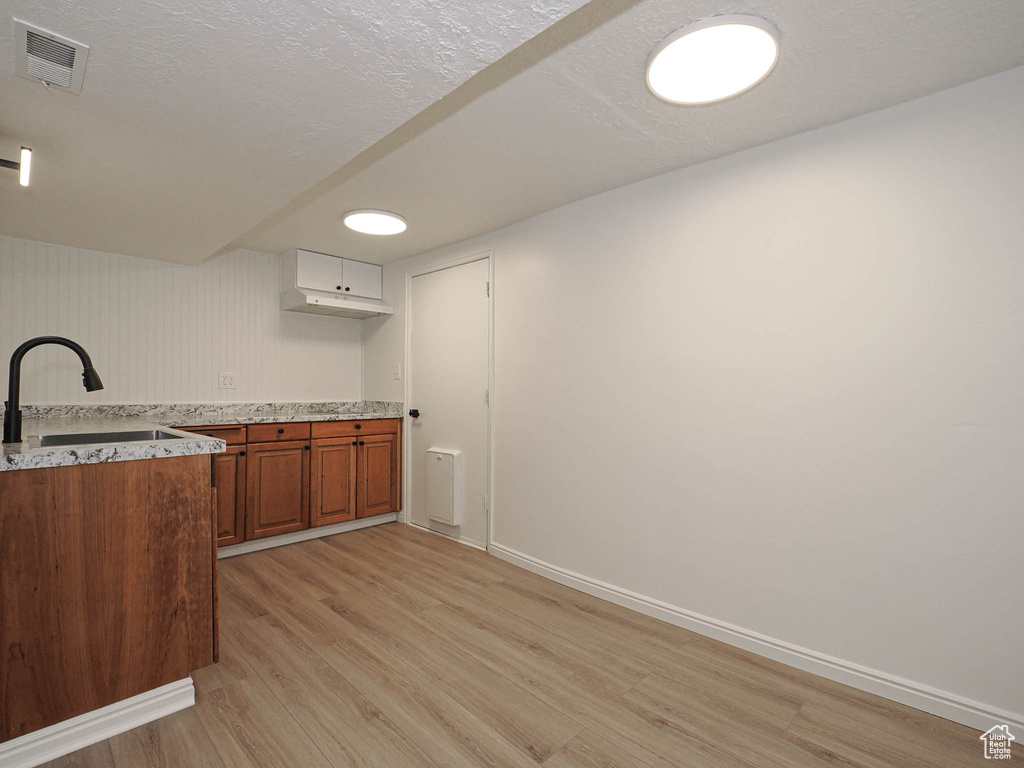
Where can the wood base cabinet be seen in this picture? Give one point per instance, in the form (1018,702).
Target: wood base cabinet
(332,481)
(280,478)
(277,488)
(230,481)
(359,472)
(107,585)
(379,476)
(229,468)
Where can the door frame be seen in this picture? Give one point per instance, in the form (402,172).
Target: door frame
(487,255)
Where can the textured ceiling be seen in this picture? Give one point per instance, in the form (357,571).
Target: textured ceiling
(209,123)
(580,121)
(199,118)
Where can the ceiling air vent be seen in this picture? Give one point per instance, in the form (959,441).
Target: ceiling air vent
(44,56)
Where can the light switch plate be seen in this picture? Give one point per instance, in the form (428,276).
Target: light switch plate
(398,371)
(227,381)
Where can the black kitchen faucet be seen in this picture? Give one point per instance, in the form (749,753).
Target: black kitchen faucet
(12,407)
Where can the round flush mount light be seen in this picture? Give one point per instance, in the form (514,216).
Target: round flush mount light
(370,221)
(713,59)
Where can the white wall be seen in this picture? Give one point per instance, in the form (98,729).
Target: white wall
(161,333)
(783,390)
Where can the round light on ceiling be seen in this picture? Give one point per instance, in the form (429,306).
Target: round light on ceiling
(370,221)
(713,59)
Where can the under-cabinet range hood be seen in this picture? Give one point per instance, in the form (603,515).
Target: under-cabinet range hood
(327,285)
(318,303)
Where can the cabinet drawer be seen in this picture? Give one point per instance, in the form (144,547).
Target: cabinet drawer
(350,428)
(230,435)
(270,433)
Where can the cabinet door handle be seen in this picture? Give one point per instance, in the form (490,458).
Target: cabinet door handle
(354,443)
(241,453)
(362,443)
(305,447)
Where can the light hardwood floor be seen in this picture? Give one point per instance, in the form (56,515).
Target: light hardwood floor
(393,647)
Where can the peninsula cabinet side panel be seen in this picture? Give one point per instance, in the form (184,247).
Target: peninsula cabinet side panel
(105,585)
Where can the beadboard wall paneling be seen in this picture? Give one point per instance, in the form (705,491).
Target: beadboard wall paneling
(162,333)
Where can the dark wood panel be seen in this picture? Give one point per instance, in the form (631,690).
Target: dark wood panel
(105,585)
(355,428)
(213,559)
(379,475)
(277,489)
(332,481)
(230,481)
(267,433)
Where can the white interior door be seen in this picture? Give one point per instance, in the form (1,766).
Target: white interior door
(448,381)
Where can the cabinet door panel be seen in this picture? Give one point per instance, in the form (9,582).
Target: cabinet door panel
(332,482)
(378,475)
(318,271)
(277,489)
(362,279)
(230,480)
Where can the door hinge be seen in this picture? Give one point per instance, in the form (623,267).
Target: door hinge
(488,288)
(487,397)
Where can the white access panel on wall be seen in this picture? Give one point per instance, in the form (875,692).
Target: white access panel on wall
(444,486)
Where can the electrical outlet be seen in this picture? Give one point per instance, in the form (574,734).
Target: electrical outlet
(398,371)
(228,381)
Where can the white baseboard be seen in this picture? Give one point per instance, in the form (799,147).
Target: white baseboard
(310,533)
(948,705)
(52,742)
(467,542)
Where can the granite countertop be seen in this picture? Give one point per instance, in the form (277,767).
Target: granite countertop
(224,418)
(84,419)
(24,456)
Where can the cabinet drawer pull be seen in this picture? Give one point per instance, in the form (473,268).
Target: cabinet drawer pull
(359,426)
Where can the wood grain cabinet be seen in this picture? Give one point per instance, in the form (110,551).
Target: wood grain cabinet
(277,488)
(370,478)
(379,477)
(107,585)
(230,479)
(332,481)
(281,478)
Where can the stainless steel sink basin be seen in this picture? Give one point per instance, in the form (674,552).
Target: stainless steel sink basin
(98,438)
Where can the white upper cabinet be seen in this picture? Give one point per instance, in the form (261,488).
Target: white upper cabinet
(319,272)
(327,285)
(361,279)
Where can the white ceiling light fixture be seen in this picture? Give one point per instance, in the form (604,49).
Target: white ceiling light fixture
(371,221)
(713,59)
(24,167)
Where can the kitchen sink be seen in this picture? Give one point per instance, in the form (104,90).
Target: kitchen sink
(95,438)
